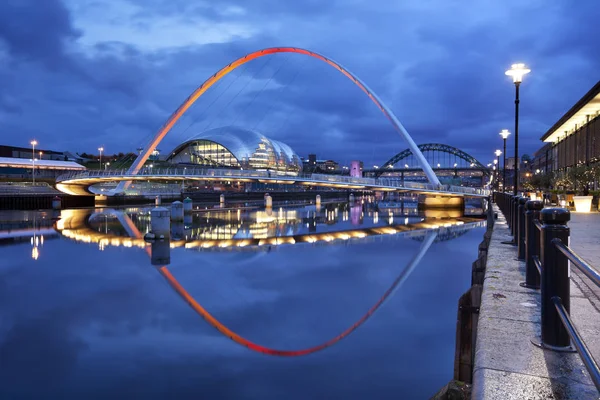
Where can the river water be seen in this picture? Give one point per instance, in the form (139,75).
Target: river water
(350,301)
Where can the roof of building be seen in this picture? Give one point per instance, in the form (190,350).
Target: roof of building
(242,143)
(42,164)
(589,104)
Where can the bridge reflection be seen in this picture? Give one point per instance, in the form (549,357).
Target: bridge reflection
(231,231)
(78,225)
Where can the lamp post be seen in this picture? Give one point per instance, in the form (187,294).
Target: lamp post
(505,133)
(517,71)
(496,169)
(498,153)
(100,149)
(33,143)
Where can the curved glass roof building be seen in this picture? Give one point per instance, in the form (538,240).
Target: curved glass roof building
(233,147)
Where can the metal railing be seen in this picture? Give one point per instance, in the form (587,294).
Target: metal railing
(547,257)
(191,173)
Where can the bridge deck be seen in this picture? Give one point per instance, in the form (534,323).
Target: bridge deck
(78,183)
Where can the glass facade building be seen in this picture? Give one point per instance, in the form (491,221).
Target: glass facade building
(233,147)
(575,138)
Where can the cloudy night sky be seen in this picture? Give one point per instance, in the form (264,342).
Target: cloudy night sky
(77,74)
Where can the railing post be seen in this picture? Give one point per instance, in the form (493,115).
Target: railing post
(509,200)
(513,216)
(555,278)
(520,236)
(532,244)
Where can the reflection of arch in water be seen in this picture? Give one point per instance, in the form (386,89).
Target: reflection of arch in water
(429,239)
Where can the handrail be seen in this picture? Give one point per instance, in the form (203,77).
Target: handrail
(584,352)
(578,261)
(186,173)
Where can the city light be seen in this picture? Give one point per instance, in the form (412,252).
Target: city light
(517,71)
(498,153)
(100,149)
(405,165)
(33,143)
(504,134)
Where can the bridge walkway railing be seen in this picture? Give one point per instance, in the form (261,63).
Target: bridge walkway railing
(185,173)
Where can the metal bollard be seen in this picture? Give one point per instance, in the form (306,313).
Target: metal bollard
(511,201)
(520,236)
(532,244)
(515,218)
(555,278)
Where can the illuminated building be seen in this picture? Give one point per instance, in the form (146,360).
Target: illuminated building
(233,147)
(575,138)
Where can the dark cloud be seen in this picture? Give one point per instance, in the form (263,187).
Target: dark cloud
(36,30)
(68,74)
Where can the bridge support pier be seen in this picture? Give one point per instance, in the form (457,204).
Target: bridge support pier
(430,201)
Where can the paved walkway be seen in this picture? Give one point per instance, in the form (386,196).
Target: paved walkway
(507,364)
(585,236)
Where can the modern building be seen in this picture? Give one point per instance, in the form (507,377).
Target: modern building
(238,148)
(575,138)
(23,168)
(27,152)
(320,166)
(510,163)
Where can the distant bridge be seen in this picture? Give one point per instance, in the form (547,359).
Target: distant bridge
(80,183)
(442,157)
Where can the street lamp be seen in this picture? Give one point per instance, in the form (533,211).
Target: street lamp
(497,162)
(517,71)
(33,143)
(505,134)
(106,165)
(100,149)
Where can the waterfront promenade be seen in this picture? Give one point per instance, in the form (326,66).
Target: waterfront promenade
(507,364)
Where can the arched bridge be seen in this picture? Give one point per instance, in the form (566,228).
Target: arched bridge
(439,156)
(196,94)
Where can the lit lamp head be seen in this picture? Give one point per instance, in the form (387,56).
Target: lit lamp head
(498,153)
(518,71)
(33,142)
(101,149)
(495,162)
(505,134)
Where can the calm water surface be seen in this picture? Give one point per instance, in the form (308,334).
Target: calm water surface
(88,311)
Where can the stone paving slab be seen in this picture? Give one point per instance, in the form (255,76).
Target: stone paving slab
(507,364)
(511,386)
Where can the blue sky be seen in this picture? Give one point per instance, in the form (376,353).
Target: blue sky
(77,74)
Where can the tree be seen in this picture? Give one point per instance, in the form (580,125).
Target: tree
(541,181)
(561,181)
(580,177)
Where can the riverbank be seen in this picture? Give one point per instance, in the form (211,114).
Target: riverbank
(507,365)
